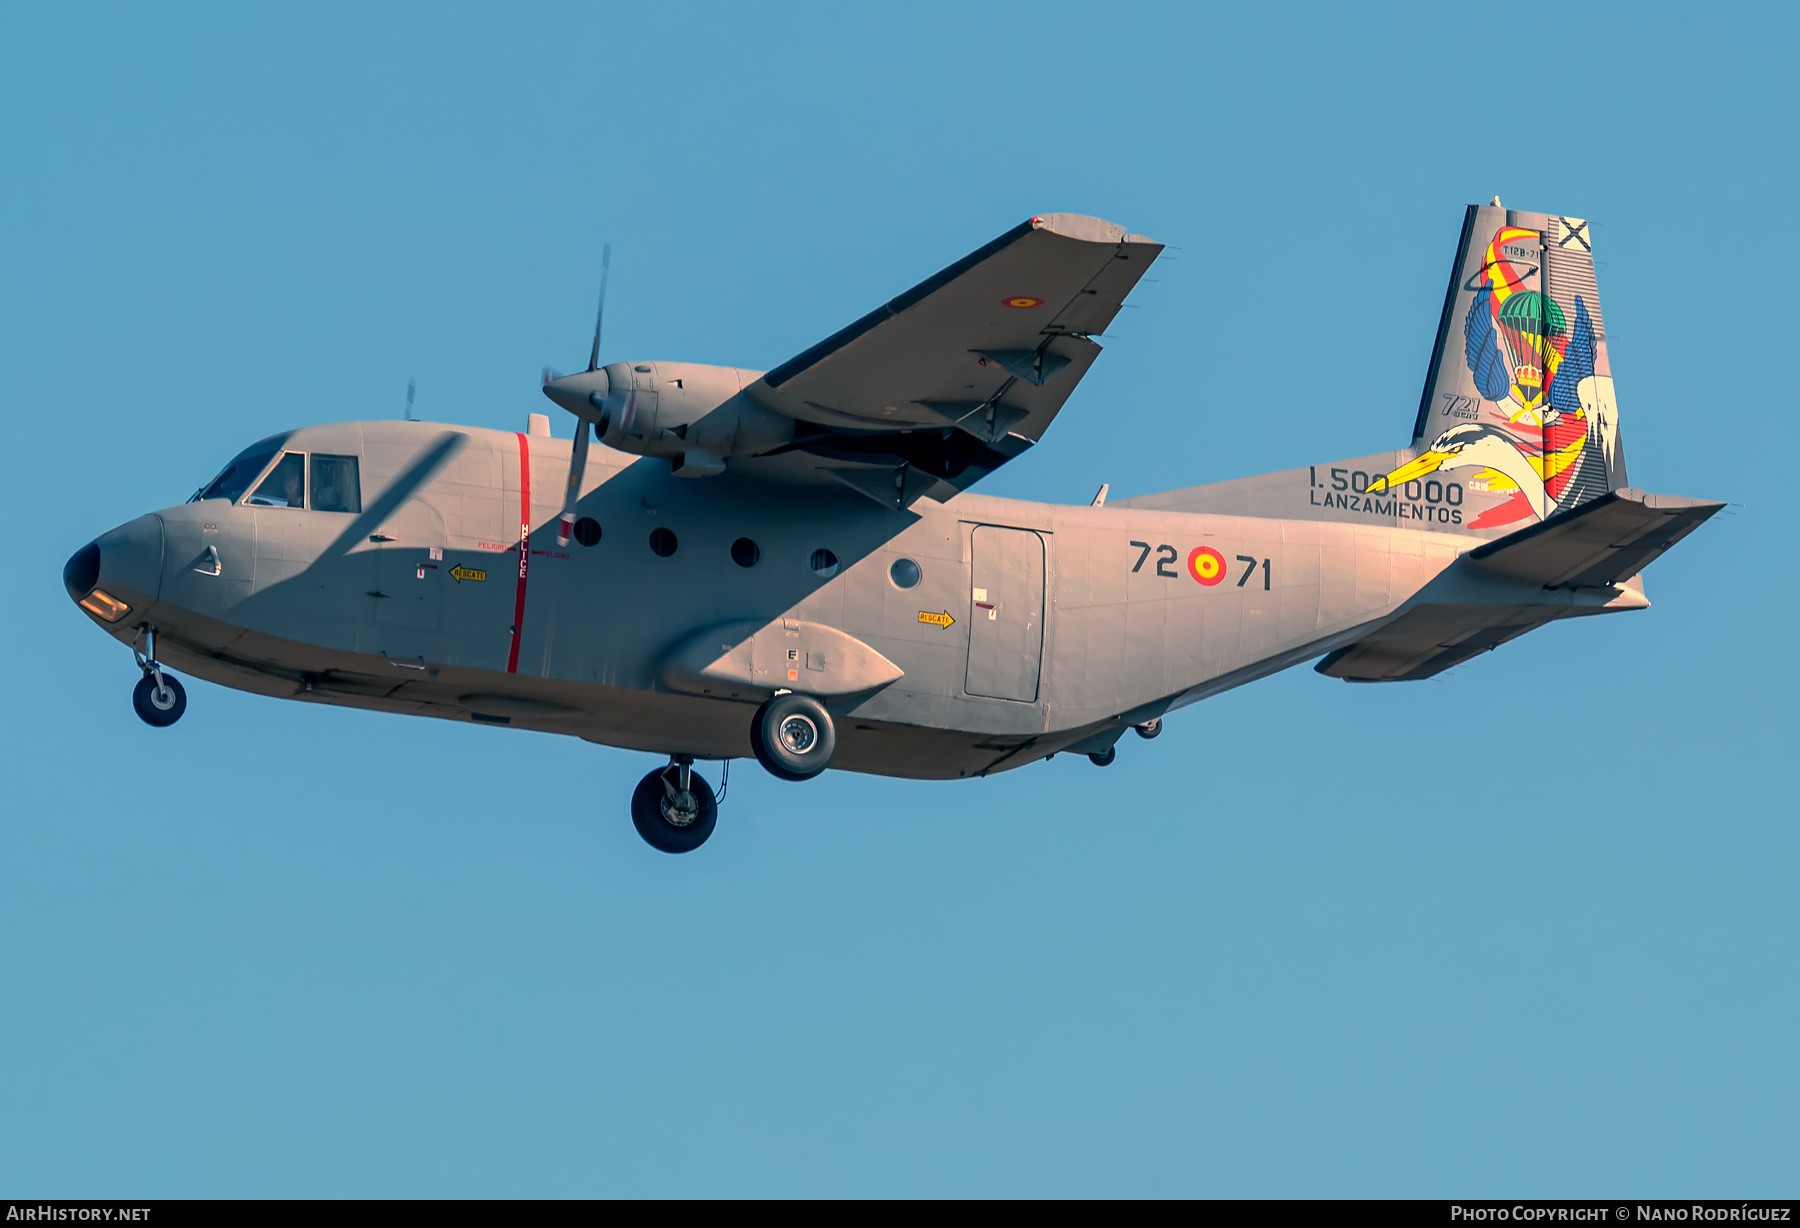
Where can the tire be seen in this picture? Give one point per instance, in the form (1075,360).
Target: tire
(1150,728)
(650,812)
(1104,758)
(793,737)
(762,755)
(163,709)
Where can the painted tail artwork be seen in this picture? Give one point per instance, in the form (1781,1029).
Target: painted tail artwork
(1515,450)
(1517,422)
(1518,403)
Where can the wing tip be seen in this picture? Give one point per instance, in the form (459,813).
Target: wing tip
(1086,229)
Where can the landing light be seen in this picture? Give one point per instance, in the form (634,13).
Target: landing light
(103,605)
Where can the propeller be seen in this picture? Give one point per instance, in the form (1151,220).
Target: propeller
(580,395)
(411,386)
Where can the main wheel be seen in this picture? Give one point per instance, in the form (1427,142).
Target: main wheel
(159,706)
(667,819)
(1104,758)
(793,737)
(1150,728)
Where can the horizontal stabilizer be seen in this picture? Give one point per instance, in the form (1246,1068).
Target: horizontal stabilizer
(1430,639)
(1602,542)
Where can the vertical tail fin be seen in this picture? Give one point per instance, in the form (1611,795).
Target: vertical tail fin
(1519,394)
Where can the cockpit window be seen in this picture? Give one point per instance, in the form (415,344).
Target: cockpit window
(285,486)
(335,487)
(236,478)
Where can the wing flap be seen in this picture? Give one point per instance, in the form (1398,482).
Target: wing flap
(1600,543)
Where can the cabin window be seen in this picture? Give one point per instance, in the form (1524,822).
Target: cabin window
(285,486)
(587,531)
(663,542)
(745,552)
(904,573)
(336,486)
(825,563)
(236,478)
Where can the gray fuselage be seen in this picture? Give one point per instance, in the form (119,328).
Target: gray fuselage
(1030,627)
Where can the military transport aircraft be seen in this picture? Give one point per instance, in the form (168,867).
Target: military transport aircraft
(789,564)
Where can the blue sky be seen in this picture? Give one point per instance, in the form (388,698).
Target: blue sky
(1529,928)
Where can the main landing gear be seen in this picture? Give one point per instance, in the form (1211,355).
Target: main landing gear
(793,736)
(673,808)
(1148,729)
(158,697)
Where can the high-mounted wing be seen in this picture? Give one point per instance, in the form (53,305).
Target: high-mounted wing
(937,388)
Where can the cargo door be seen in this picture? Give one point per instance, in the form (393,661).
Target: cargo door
(1006,613)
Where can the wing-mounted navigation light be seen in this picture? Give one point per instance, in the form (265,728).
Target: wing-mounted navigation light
(583,395)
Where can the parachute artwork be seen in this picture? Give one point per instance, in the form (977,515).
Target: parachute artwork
(1532,330)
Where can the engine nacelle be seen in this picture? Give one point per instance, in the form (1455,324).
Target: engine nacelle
(697,415)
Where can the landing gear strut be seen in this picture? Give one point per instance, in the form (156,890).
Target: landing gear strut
(158,698)
(673,808)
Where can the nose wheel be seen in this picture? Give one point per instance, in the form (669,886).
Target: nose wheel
(673,808)
(159,699)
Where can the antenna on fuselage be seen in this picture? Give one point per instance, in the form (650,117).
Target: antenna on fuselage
(411,386)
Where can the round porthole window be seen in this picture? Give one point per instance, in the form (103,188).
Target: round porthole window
(904,573)
(825,563)
(587,531)
(663,542)
(745,552)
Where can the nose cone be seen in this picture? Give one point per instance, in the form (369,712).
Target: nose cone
(580,393)
(119,569)
(82,572)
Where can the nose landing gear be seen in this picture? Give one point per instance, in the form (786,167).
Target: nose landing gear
(673,808)
(159,699)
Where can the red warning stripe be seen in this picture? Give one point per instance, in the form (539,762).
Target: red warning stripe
(518,623)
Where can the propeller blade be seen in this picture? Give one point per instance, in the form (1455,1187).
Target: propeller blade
(565,527)
(411,384)
(565,524)
(600,313)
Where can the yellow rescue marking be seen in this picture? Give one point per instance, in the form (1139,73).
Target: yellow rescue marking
(936,620)
(459,573)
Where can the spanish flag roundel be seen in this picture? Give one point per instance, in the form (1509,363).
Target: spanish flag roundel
(1206,565)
